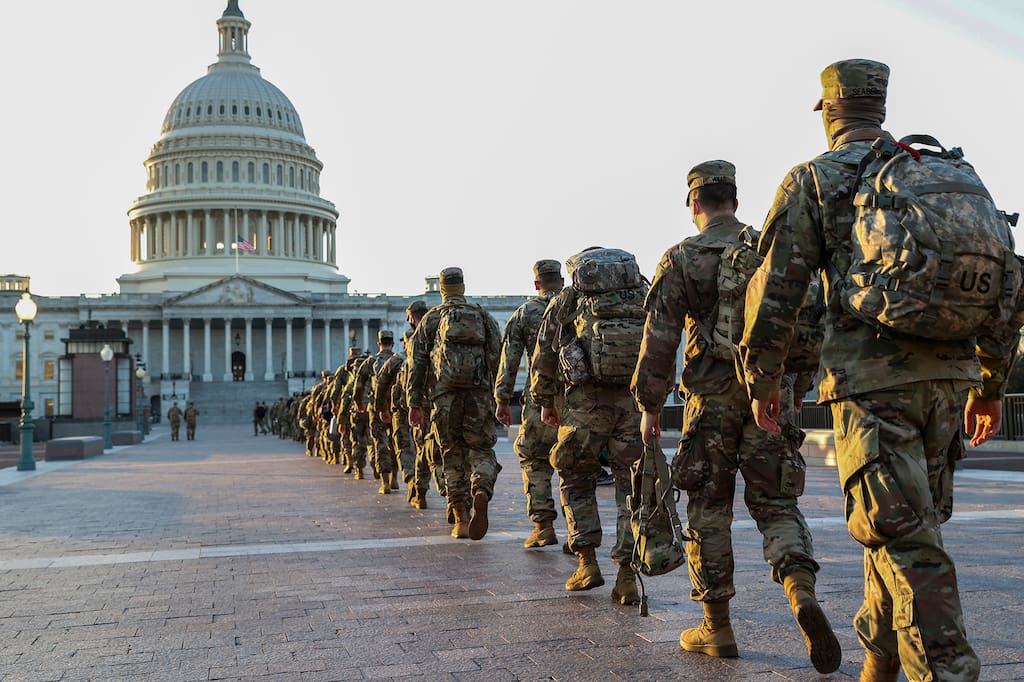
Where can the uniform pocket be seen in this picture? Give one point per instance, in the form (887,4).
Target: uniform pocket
(690,467)
(566,450)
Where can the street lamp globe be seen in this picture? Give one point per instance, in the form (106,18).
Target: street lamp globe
(107,354)
(140,373)
(25,308)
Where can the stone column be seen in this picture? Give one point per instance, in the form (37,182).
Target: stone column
(327,345)
(173,251)
(190,238)
(145,342)
(279,238)
(245,234)
(288,346)
(186,347)
(208,231)
(261,235)
(307,232)
(347,342)
(366,334)
(332,244)
(207,370)
(227,349)
(248,349)
(309,344)
(165,340)
(268,328)
(134,250)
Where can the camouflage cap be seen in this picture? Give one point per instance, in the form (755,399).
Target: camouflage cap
(385,335)
(715,172)
(546,267)
(416,308)
(853,78)
(354,351)
(451,276)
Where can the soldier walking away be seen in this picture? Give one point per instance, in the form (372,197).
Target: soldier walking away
(258,412)
(384,461)
(588,343)
(535,438)
(174,419)
(459,343)
(190,420)
(898,401)
(352,423)
(699,288)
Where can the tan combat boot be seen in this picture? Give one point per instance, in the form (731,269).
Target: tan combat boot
(410,494)
(625,591)
(822,645)
(588,573)
(543,535)
(478,523)
(393,479)
(461,527)
(420,499)
(879,668)
(714,635)
(358,475)
(385,489)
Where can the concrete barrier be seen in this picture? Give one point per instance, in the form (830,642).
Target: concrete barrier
(73,447)
(126,437)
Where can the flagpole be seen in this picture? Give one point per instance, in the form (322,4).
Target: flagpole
(235,213)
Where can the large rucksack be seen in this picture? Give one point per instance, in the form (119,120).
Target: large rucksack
(603,336)
(458,356)
(932,255)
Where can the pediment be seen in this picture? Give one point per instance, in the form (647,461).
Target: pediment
(236,290)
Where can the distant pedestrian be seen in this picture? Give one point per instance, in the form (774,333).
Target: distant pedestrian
(190,420)
(174,418)
(258,413)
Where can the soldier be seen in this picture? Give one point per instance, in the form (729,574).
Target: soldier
(593,359)
(428,462)
(365,397)
(190,420)
(306,421)
(265,423)
(461,343)
(174,419)
(898,402)
(389,394)
(353,424)
(534,441)
(258,412)
(699,287)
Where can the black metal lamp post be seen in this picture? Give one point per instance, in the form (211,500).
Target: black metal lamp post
(26,309)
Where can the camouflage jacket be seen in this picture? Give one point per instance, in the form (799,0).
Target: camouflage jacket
(366,381)
(423,342)
(520,336)
(346,401)
(387,380)
(190,415)
(545,381)
(808,230)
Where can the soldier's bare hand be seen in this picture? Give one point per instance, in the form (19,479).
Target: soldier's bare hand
(765,412)
(416,417)
(984,417)
(503,414)
(650,427)
(550,416)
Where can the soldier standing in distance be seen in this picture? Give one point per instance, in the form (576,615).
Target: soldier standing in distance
(257,418)
(460,342)
(719,433)
(535,438)
(898,402)
(352,424)
(380,431)
(190,420)
(174,419)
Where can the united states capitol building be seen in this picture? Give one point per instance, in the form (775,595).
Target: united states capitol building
(236,293)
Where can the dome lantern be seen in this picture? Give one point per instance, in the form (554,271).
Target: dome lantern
(233,31)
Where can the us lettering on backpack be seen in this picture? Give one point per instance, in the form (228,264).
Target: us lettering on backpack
(932,255)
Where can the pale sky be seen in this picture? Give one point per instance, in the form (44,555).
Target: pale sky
(480,133)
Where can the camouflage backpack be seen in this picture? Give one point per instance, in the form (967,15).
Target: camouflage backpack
(932,255)
(659,541)
(607,327)
(458,356)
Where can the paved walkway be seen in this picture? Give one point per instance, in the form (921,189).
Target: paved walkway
(237,558)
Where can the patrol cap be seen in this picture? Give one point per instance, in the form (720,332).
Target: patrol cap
(354,351)
(715,172)
(451,276)
(546,268)
(853,78)
(385,336)
(417,308)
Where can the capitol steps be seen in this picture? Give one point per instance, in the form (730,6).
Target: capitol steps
(222,402)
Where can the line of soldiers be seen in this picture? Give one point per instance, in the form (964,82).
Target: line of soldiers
(602,362)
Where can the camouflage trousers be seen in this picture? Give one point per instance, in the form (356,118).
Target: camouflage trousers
(190,431)
(428,459)
(382,455)
(596,417)
(896,451)
(462,425)
(407,451)
(533,447)
(354,441)
(720,438)
(175,427)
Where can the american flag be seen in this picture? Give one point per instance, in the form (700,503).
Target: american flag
(242,245)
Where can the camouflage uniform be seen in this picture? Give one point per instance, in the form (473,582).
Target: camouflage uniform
(897,402)
(595,417)
(354,440)
(720,436)
(535,438)
(190,421)
(462,419)
(384,462)
(174,419)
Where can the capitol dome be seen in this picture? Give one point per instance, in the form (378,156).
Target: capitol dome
(233,187)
